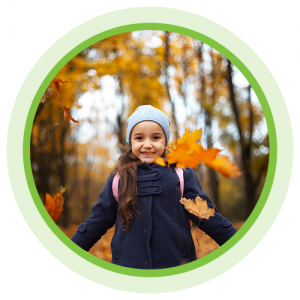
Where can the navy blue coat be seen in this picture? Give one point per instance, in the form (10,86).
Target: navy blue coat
(160,233)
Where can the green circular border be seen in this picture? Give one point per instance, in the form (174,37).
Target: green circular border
(252,217)
(257,224)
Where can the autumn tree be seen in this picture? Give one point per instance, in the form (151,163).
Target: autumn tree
(146,67)
(254,170)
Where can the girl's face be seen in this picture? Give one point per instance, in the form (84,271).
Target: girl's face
(147,136)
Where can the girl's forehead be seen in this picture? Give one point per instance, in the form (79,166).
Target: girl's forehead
(147,126)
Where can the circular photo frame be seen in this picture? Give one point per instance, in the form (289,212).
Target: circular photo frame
(257,224)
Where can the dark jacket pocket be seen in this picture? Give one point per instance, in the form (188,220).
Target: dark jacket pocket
(186,241)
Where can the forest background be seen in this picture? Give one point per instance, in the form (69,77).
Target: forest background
(196,86)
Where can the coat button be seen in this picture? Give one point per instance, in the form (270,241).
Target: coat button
(154,174)
(226,223)
(156,189)
(81,228)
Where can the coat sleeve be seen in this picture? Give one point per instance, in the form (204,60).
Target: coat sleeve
(102,218)
(217,227)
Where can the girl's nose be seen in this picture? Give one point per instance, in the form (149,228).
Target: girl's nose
(147,144)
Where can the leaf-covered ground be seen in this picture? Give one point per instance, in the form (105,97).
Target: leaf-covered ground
(102,248)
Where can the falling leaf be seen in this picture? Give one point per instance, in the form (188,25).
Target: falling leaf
(186,152)
(157,159)
(160,161)
(66,109)
(223,165)
(54,204)
(198,207)
(56,82)
(206,156)
(189,153)
(68,116)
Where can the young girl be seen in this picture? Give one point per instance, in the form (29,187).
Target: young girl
(152,230)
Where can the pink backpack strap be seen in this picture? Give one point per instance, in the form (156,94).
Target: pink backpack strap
(179,172)
(115,187)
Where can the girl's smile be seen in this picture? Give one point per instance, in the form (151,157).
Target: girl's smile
(147,136)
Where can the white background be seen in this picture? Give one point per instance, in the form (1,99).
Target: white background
(29,28)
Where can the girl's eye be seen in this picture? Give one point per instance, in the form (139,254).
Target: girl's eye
(156,138)
(139,138)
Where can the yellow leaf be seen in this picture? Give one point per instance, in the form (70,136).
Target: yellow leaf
(198,207)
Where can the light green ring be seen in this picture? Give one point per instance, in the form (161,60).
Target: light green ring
(265,212)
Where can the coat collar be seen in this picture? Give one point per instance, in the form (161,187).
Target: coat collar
(148,167)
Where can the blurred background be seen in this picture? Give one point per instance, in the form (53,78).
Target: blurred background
(196,86)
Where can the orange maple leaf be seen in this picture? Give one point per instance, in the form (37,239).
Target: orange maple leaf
(186,152)
(206,156)
(198,207)
(54,204)
(189,153)
(223,165)
(157,159)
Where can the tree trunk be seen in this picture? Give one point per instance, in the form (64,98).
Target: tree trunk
(201,93)
(245,149)
(213,179)
(183,89)
(42,162)
(74,191)
(214,182)
(85,199)
(120,131)
(166,65)
(62,175)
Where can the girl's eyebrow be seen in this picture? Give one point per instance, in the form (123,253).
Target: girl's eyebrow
(137,133)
